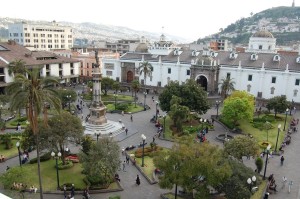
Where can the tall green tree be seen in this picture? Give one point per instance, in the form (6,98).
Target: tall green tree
(241,146)
(278,104)
(145,68)
(227,85)
(35,92)
(192,94)
(17,67)
(116,86)
(106,84)
(178,113)
(101,162)
(135,85)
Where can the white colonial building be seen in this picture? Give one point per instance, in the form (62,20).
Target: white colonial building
(66,69)
(49,36)
(260,70)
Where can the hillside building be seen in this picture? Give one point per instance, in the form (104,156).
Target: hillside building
(44,37)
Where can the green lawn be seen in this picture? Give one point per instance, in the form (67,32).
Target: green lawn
(9,152)
(131,108)
(261,136)
(118,98)
(172,196)
(149,166)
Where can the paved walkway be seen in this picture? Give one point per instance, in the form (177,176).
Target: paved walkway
(141,125)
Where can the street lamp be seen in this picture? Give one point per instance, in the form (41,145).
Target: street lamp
(145,94)
(115,95)
(143,138)
(217,104)
(279,126)
(164,125)
(251,181)
(56,158)
(202,122)
(286,113)
(97,134)
(292,106)
(18,146)
(69,100)
(266,163)
(156,110)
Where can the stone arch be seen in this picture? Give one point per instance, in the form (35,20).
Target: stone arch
(129,76)
(203,81)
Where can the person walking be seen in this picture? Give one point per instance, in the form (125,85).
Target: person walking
(284,181)
(126,131)
(86,194)
(131,118)
(127,159)
(153,140)
(138,181)
(72,192)
(282,160)
(124,164)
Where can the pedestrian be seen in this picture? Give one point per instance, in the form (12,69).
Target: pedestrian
(72,191)
(122,113)
(281,160)
(126,131)
(65,191)
(127,159)
(124,165)
(138,182)
(284,180)
(131,118)
(86,194)
(153,140)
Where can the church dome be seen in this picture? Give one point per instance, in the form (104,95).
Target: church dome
(263,33)
(142,48)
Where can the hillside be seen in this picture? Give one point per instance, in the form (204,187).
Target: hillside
(282,22)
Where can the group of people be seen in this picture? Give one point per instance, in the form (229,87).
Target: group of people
(25,157)
(271,183)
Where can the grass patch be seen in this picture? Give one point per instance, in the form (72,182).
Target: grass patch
(149,166)
(119,98)
(8,153)
(172,196)
(131,108)
(261,189)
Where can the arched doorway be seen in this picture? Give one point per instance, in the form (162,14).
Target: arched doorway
(129,76)
(202,80)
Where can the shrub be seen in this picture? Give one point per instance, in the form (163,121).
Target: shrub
(259,164)
(269,118)
(122,106)
(114,197)
(68,165)
(43,158)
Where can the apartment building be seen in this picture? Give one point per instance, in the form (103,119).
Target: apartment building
(44,37)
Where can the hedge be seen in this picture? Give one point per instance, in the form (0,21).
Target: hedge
(43,158)
(68,165)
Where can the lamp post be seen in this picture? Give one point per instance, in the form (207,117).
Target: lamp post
(164,125)
(145,95)
(69,100)
(143,138)
(97,134)
(279,126)
(18,146)
(286,113)
(292,106)
(251,181)
(217,105)
(156,110)
(266,163)
(56,159)
(115,95)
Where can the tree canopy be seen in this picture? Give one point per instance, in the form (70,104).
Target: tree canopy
(278,103)
(227,85)
(106,84)
(145,68)
(178,113)
(192,94)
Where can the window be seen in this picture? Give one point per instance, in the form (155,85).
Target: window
(295,93)
(297,82)
(72,72)
(168,80)
(60,66)
(228,75)
(71,65)
(109,73)
(87,73)
(272,90)
(47,67)
(248,88)
(188,72)
(49,46)
(273,80)
(49,35)
(169,70)
(249,78)
(87,65)
(159,84)
(260,47)
(259,94)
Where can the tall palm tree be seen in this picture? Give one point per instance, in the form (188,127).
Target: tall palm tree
(34,92)
(146,68)
(135,85)
(17,66)
(227,85)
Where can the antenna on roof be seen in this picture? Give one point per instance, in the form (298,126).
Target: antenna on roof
(162,30)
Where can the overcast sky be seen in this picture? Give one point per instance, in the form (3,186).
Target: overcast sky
(189,19)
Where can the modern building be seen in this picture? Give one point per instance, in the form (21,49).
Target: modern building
(66,69)
(47,37)
(259,70)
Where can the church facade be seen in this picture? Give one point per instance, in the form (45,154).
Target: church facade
(260,70)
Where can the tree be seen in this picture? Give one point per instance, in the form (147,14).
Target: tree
(241,146)
(192,94)
(34,92)
(227,85)
(259,164)
(278,103)
(102,161)
(17,67)
(106,83)
(235,109)
(178,113)
(62,128)
(267,127)
(63,93)
(135,85)
(145,68)
(116,86)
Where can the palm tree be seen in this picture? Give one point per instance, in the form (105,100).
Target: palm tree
(135,85)
(146,68)
(35,92)
(227,85)
(17,66)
